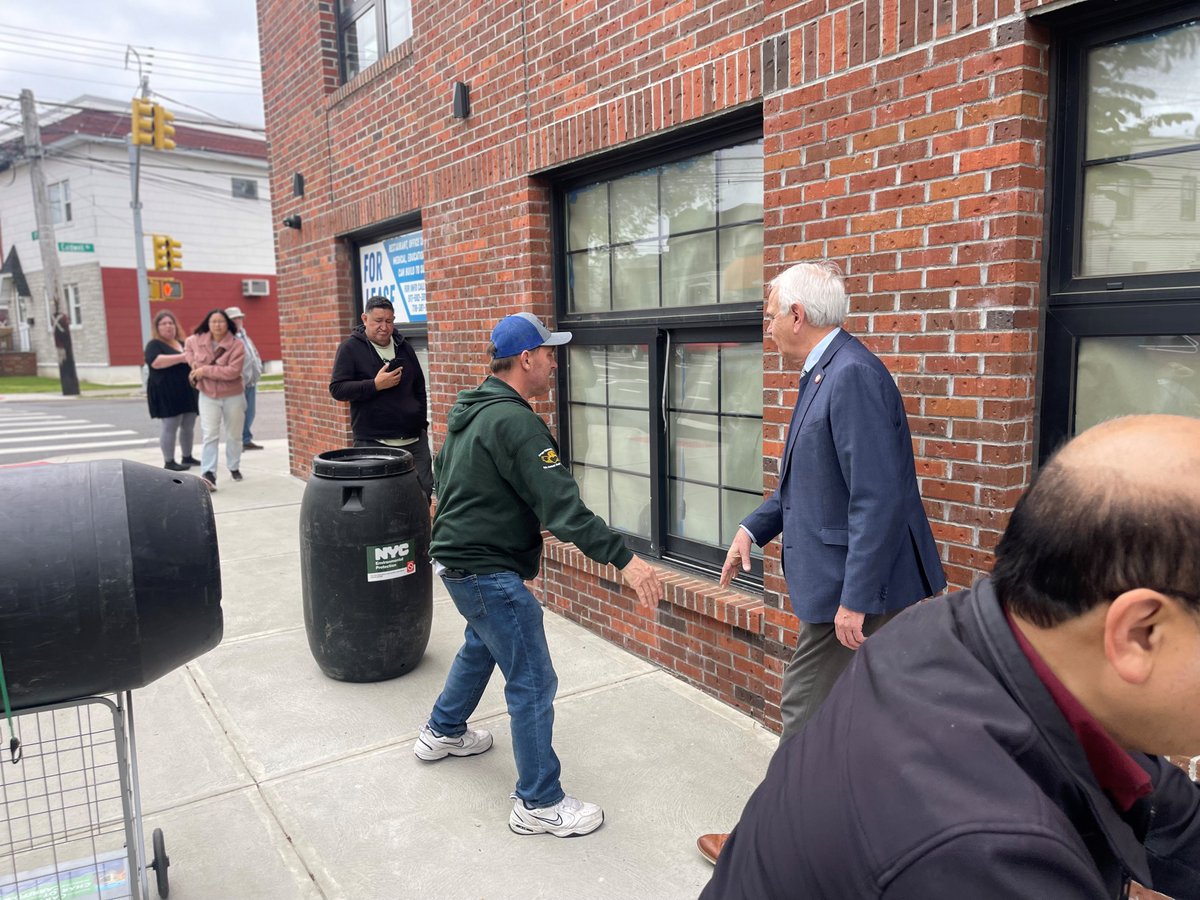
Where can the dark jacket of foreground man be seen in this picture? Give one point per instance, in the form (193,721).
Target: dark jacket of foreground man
(941,767)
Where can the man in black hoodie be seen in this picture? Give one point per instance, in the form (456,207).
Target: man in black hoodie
(377,371)
(499,483)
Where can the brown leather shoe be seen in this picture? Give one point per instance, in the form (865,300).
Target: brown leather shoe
(710,846)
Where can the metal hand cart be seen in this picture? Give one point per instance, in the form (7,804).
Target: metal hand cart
(72,810)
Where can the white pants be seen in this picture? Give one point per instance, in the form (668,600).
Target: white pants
(233,411)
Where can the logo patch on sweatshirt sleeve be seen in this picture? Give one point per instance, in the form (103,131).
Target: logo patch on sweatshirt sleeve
(549,456)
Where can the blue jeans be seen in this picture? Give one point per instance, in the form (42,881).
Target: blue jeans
(504,627)
(251,391)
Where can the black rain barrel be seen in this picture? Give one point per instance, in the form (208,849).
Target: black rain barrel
(109,578)
(364,563)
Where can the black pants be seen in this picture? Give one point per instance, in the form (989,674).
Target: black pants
(422,459)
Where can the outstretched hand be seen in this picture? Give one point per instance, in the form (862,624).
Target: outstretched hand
(739,553)
(643,578)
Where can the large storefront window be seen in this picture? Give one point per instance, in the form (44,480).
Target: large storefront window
(684,234)
(1124,304)
(663,389)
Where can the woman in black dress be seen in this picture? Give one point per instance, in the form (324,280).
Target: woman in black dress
(170,395)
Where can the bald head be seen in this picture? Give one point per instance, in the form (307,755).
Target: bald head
(1117,508)
(1145,452)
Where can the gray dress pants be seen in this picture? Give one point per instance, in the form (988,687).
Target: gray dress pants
(810,674)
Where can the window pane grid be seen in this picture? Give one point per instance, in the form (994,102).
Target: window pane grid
(698,243)
(610,432)
(664,421)
(712,481)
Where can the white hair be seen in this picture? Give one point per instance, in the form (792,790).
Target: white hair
(818,287)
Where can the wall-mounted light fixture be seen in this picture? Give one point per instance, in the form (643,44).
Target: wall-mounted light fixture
(461,107)
(297,185)
(292,222)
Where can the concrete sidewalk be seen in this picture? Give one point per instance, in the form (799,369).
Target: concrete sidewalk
(270,780)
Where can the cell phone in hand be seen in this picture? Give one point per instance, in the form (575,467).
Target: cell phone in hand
(394,364)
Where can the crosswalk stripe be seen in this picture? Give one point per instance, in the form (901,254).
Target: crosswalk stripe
(71,448)
(36,420)
(70,425)
(63,437)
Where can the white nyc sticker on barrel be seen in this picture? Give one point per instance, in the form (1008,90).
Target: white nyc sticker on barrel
(394,560)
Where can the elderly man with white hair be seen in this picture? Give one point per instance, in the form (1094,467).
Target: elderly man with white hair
(857,547)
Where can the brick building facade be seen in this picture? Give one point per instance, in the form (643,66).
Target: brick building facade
(634,171)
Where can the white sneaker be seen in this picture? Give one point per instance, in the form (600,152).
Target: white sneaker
(566,818)
(430,745)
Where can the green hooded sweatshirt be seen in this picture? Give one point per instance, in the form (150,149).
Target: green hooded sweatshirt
(499,482)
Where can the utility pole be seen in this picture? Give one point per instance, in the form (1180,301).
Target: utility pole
(47,243)
(135,203)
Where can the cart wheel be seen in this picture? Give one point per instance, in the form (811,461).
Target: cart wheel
(161,863)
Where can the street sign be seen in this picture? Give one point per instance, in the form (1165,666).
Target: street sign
(67,246)
(166,289)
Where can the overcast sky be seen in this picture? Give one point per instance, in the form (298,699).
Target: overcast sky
(203,53)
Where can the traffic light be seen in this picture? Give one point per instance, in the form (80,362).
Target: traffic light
(141,121)
(162,252)
(164,131)
(166,289)
(168,253)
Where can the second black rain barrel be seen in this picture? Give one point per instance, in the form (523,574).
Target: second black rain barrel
(109,578)
(364,561)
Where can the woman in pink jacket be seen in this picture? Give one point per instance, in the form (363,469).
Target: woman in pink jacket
(216,356)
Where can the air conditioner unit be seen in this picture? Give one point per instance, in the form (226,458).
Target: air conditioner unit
(255,287)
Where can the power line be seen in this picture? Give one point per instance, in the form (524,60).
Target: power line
(211,193)
(212,120)
(22,32)
(95,61)
(92,81)
(169,167)
(213,117)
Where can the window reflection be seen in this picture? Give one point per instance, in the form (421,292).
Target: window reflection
(684,234)
(1119,376)
(714,433)
(610,432)
(362,44)
(1142,154)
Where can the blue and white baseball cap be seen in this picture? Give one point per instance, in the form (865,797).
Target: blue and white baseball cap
(524,331)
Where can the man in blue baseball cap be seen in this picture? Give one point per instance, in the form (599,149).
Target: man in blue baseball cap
(499,482)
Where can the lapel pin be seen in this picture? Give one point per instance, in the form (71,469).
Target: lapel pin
(817,380)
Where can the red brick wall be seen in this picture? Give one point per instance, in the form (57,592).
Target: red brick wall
(904,140)
(18,363)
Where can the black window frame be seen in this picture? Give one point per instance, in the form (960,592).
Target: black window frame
(349,13)
(1078,307)
(657,327)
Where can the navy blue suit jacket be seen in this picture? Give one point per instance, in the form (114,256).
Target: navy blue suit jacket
(854,530)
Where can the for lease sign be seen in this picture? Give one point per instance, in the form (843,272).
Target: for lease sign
(395,268)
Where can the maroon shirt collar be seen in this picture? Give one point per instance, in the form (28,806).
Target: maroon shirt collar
(1119,776)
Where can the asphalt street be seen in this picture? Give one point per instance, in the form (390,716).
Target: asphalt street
(37,429)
